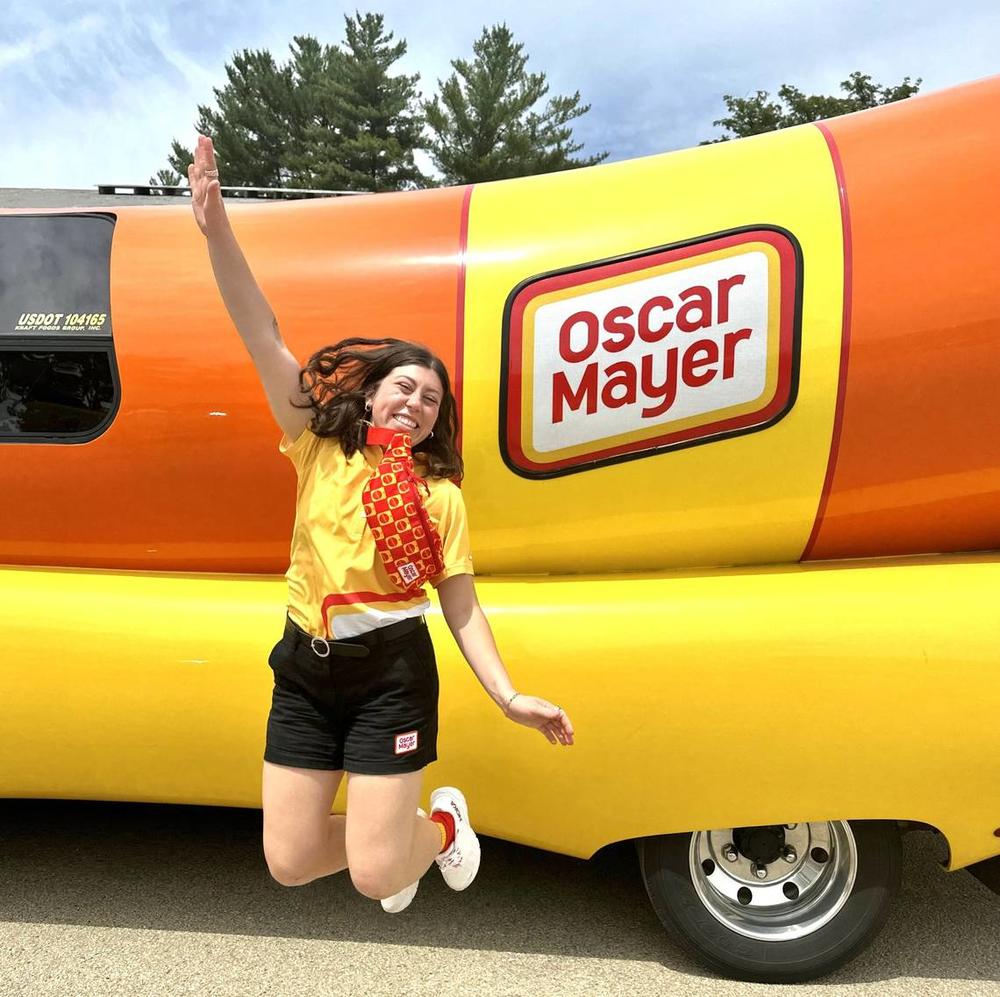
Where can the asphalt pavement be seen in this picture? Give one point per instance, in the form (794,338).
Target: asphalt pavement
(137,899)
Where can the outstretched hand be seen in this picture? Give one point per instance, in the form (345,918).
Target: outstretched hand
(543,716)
(206,191)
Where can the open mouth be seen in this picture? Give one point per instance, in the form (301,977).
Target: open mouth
(405,420)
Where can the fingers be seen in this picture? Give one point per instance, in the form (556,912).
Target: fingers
(209,152)
(567,727)
(555,735)
(196,168)
(560,724)
(206,192)
(204,153)
(547,718)
(204,158)
(558,730)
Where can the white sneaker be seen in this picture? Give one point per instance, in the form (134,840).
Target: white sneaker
(400,901)
(460,863)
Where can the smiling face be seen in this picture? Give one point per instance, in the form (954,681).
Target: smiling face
(408,399)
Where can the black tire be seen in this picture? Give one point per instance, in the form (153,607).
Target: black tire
(667,873)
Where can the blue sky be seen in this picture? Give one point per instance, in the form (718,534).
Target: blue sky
(93,93)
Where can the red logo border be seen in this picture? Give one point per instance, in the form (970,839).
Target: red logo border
(790,265)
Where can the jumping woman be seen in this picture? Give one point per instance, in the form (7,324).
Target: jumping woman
(371,428)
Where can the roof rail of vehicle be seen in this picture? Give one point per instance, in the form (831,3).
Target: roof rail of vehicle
(155,190)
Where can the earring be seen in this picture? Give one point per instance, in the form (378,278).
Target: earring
(363,423)
(431,434)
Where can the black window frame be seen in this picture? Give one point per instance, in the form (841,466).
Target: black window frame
(67,343)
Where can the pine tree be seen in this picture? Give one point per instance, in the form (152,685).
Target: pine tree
(377,120)
(483,123)
(330,118)
(256,121)
(316,69)
(166,178)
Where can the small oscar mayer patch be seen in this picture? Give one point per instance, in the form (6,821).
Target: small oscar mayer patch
(671,347)
(408,572)
(407,742)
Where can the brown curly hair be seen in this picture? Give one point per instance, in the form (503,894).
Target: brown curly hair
(338,378)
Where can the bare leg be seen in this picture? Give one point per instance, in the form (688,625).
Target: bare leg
(302,840)
(388,845)
(391,845)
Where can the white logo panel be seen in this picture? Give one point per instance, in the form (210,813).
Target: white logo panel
(650,352)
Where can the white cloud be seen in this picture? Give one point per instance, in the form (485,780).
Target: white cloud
(92,97)
(198,76)
(127,142)
(50,36)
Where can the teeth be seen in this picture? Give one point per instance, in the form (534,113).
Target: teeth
(405,421)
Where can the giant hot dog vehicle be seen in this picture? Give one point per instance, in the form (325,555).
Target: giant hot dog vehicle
(731,429)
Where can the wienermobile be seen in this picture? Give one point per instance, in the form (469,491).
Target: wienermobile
(731,428)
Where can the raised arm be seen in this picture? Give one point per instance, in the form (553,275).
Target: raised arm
(248,308)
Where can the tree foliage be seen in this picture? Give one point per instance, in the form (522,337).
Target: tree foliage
(482,119)
(330,117)
(256,119)
(167,178)
(757,114)
(375,116)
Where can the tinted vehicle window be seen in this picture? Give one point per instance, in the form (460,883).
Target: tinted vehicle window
(58,376)
(55,392)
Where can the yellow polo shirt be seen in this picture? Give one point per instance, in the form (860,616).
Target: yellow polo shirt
(333,556)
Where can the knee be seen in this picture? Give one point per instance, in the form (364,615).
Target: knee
(288,875)
(287,868)
(372,881)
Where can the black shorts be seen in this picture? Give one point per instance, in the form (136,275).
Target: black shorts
(369,706)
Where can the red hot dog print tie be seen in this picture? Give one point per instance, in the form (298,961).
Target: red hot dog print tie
(406,539)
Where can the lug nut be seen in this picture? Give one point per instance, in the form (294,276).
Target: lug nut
(730,854)
(789,854)
(759,871)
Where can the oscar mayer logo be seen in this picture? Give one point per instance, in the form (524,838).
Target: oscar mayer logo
(670,348)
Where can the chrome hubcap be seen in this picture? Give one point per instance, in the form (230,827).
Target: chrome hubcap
(793,881)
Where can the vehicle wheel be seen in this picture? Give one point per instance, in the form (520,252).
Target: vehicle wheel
(781,903)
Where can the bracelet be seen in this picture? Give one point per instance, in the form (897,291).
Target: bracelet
(509,701)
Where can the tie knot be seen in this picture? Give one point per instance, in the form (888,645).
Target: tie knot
(392,441)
